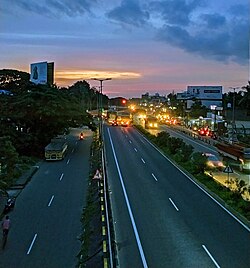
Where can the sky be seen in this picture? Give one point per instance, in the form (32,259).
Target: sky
(144,45)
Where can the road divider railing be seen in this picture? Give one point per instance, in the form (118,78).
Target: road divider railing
(195,135)
(96,243)
(105,218)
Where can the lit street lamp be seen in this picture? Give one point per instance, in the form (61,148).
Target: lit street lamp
(101,82)
(100,100)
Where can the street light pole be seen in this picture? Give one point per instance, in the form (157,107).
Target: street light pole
(100,101)
(101,86)
(233,111)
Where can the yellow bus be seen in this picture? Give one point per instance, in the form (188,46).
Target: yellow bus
(57,149)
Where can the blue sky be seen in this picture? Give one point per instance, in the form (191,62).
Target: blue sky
(145,46)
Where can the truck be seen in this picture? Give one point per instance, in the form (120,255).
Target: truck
(151,122)
(123,119)
(112,118)
(56,149)
(237,152)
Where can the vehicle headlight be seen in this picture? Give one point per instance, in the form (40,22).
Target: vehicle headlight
(210,164)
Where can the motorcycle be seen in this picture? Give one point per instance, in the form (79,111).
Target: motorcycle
(81,136)
(9,205)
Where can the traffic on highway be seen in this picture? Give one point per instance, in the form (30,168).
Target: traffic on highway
(161,216)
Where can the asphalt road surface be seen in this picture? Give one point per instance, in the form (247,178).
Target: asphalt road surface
(46,219)
(161,217)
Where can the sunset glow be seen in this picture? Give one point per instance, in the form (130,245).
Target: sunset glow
(144,46)
(65,77)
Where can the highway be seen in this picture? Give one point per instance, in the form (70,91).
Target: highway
(199,146)
(161,217)
(46,219)
(204,147)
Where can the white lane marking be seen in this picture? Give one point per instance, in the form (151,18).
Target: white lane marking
(154,177)
(130,141)
(68,161)
(143,161)
(31,245)
(135,149)
(73,150)
(237,173)
(61,177)
(173,204)
(203,190)
(51,200)
(211,257)
(144,262)
(76,142)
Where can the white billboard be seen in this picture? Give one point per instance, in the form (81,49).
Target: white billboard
(38,72)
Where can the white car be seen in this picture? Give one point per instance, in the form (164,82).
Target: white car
(213,161)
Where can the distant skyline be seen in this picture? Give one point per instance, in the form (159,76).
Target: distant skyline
(144,46)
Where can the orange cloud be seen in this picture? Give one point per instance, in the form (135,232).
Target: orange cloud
(70,76)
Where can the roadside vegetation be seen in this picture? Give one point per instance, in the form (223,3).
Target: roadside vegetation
(195,165)
(32,115)
(90,254)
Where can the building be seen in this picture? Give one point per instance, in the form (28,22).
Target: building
(210,96)
(42,73)
(155,100)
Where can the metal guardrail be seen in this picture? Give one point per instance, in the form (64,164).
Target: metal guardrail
(196,135)
(109,253)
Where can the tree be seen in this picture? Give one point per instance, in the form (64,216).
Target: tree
(40,113)
(162,139)
(14,80)
(197,109)
(174,144)
(177,104)
(245,101)
(8,160)
(186,151)
(198,163)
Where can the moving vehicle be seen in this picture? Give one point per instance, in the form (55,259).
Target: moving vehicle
(114,123)
(57,149)
(112,117)
(204,131)
(81,136)
(213,161)
(151,122)
(123,120)
(9,205)
(237,152)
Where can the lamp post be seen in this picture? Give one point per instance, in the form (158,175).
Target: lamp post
(101,85)
(100,100)
(233,115)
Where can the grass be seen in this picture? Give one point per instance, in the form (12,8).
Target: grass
(91,238)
